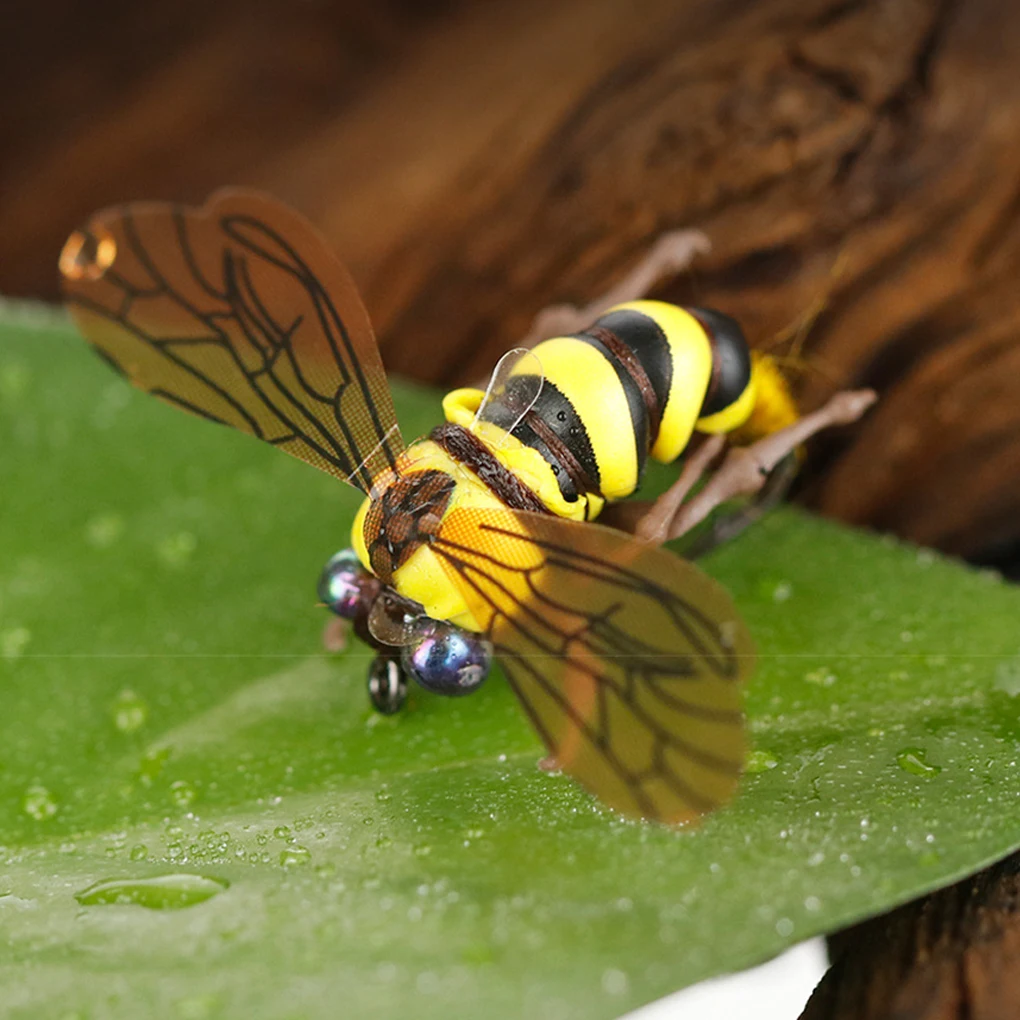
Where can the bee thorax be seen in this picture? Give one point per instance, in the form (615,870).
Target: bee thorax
(404,516)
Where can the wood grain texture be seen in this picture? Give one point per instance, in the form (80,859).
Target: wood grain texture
(950,956)
(474,163)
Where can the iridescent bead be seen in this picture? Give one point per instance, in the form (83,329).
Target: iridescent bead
(449,660)
(346,587)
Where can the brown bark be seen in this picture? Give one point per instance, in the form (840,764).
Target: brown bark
(477,162)
(954,955)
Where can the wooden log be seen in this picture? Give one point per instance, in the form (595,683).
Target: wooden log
(950,956)
(476,162)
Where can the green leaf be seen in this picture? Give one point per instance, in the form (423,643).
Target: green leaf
(200,816)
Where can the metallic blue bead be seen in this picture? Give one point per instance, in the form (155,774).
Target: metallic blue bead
(449,660)
(346,587)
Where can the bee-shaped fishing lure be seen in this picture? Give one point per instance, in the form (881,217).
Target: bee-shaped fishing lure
(472,542)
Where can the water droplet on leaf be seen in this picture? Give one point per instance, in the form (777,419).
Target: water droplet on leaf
(295,856)
(913,760)
(151,764)
(176,550)
(823,677)
(129,711)
(760,761)
(161,892)
(103,531)
(614,982)
(39,803)
(182,793)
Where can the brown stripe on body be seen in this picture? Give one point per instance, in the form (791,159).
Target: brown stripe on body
(629,360)
(564,456)
(467,449)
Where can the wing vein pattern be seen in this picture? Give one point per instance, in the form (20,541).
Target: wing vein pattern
(240,313)
(628,661)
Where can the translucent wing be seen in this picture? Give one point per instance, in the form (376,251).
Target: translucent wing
(238,312)
(513,390)
(628,660)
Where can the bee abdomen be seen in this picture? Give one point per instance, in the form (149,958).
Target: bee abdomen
(637,382)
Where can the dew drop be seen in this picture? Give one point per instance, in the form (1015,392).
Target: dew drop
(386,971)
(295,857)
(281,832)
(151,765)
(823,677)
(103,531)
(913,760)
(39,803)
(139,852)
(161,892)
(615,982)
(784,927)
(182,793)
(175,550)
(129,711)
(760,760)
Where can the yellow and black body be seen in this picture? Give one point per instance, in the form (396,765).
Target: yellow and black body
(628,661)
(638,383)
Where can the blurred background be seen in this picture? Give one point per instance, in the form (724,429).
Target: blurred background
(475,162)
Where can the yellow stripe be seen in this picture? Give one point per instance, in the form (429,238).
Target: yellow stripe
(589,381)
(461,406)
(691,354)
(774,404)
(732,417)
